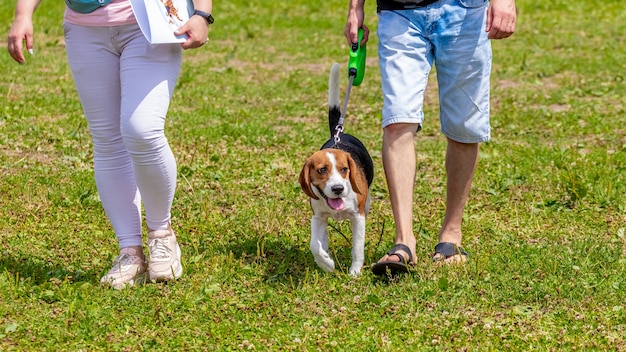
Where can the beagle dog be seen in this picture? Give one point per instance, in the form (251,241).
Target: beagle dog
(337,179)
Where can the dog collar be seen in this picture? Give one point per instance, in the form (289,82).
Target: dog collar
(321,192)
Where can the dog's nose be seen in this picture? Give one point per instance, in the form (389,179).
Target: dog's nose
(337,189)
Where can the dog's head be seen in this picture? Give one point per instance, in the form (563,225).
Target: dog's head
(332,172)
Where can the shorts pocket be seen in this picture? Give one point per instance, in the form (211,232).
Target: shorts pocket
(473,3)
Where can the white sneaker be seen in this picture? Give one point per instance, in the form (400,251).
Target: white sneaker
(165,261)
(127,269)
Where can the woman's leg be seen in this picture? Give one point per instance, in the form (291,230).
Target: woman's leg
(94,61)
(148,75)
(95,64)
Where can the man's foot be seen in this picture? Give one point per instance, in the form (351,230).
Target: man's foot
(165,261)
(126,270)
(397,261)
(449,253)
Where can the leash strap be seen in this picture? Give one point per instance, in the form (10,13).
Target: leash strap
(339,127)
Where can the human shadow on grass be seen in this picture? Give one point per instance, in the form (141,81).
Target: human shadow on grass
(286,262)
(38,271)
(282,261)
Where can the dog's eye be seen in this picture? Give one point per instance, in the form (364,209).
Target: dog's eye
(322,170)
(344,170)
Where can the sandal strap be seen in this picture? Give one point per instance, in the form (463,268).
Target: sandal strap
(400,257)
(448,249)
(401,247)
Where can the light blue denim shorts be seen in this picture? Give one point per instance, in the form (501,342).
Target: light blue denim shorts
(449,34)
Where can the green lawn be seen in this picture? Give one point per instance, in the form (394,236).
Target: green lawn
(545,224)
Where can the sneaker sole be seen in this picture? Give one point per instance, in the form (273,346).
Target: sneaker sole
(139,279)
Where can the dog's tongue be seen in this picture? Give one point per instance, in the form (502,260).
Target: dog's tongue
(336,203)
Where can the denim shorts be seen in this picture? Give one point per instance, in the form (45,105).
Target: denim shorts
(449,34)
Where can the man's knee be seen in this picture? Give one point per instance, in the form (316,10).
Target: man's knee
(400,129)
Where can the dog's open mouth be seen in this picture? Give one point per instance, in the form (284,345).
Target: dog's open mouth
(335,203)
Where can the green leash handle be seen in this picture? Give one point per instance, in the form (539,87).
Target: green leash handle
(356,65)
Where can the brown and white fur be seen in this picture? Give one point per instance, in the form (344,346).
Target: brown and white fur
(337,179)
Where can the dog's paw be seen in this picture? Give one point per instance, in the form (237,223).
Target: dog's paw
(325,263)
(355,270)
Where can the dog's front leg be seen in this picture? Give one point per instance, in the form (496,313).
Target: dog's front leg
(358,244)
(319,243)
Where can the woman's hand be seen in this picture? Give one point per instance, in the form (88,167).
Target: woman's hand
(197,30)
(21,32)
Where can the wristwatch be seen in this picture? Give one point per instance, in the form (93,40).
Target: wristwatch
(207,16)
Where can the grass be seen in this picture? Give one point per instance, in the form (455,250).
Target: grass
(545,224)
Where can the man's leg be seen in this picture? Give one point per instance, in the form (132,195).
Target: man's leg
(405,58)
(461,160)
(399,164)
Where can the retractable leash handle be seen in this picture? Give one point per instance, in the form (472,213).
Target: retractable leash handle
(356,65)
(356,71)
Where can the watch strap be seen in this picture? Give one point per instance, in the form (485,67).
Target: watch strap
(207,16)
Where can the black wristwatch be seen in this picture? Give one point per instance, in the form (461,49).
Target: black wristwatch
(207,16)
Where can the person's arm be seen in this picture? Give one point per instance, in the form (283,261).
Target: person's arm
(22,29)
(501,19)
(356,14)
(197,28)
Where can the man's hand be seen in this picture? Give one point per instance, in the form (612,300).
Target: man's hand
(354,22)
(501,19)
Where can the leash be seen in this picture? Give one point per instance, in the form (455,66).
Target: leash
(339,127)
(356,71)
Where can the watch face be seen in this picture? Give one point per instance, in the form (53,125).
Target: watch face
(210,19)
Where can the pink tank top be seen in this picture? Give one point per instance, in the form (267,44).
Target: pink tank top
(116,13)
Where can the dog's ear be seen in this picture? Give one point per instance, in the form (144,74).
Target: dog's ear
(353,175)
(305,179)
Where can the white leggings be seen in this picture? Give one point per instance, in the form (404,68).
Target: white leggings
(125,85)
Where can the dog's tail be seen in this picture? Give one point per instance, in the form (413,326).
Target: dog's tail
(334,109)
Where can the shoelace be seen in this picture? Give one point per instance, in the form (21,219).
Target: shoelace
(159,249)
(122,261)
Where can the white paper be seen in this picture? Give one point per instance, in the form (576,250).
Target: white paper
(158,19)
